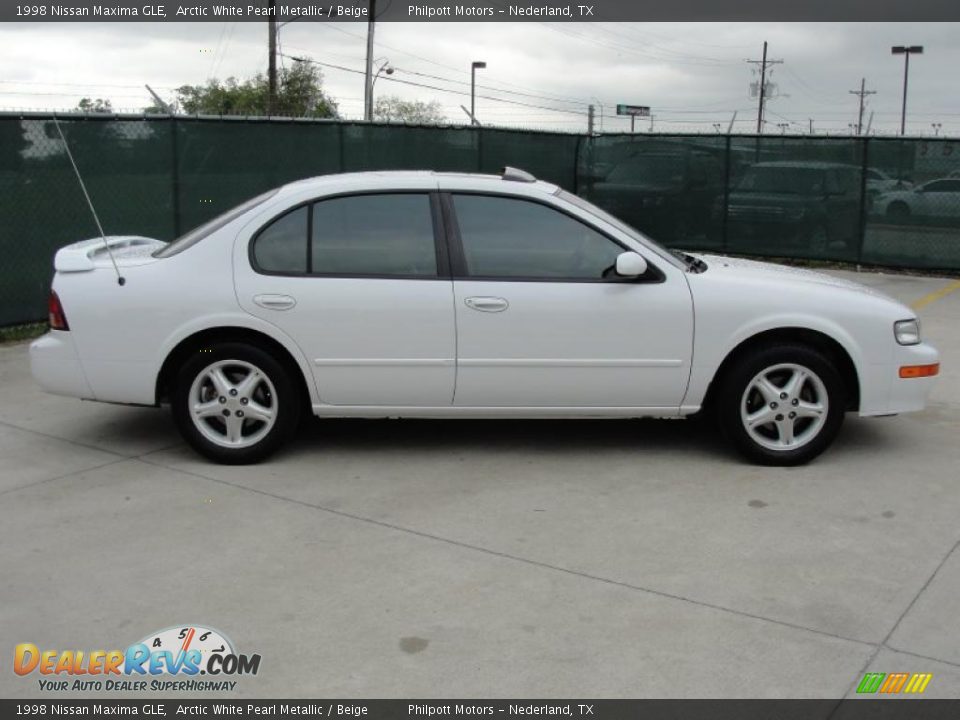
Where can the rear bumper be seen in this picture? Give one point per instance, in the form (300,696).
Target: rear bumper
(56,366)
(905,394)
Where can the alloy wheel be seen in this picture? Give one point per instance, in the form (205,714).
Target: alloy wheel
(233,403)
(784,407)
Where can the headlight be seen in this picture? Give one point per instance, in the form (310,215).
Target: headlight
(907,332)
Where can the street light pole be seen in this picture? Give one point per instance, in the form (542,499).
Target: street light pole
(474,66)
(906,51)
(385,67)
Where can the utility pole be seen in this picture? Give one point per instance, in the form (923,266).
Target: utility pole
(368,88)
(763,84)
(590,120)
(811,125)
(862,92)
(272,60)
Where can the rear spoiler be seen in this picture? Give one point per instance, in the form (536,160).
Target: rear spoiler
(89,254)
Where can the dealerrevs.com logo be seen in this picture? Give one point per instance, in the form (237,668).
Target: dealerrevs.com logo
(168,660)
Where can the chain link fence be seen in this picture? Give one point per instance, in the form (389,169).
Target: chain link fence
(881,201)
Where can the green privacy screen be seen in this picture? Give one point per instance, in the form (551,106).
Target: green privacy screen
(881,201)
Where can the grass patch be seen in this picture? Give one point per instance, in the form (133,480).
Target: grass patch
(19,333)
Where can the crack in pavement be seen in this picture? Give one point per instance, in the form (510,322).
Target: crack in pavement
(509,556)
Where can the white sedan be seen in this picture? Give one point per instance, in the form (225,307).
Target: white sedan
(420,294)
(934,199)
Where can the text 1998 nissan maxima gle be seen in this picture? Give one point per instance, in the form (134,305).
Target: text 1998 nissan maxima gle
(420,294)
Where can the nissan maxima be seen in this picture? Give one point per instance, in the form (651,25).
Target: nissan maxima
(435,295)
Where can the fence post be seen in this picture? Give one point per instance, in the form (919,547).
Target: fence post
(479,132)
(576,165)
(340,148)
(864,165)
(175,176)
(726,196)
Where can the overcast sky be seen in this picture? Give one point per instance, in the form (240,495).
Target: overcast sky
(692,75)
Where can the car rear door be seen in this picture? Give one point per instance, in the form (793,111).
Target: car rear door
(538,324)
(360,281)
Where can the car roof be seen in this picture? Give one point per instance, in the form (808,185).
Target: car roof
(509,182)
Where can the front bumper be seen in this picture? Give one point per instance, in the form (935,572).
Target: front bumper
(56,366)
(903,394)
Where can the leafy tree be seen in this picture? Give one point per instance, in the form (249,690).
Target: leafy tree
(299,94)
(94,106)
(391,108)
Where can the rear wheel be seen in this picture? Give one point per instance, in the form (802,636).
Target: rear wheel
(235,403)
(782,404)
(898,211)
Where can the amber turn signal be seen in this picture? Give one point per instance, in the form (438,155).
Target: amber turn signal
(916,371)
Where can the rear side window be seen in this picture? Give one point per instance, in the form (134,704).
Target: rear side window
(376,235)
(281,247)
(211,226)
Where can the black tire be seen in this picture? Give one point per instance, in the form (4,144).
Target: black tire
(283,399)
(898,211)
(731,398)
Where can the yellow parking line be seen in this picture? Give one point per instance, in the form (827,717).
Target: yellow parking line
(934,296)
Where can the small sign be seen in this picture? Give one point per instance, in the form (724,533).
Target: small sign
(639,110)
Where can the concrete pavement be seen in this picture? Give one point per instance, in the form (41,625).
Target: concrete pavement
(522,559)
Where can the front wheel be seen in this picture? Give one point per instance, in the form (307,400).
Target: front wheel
(235,403)
(782,404)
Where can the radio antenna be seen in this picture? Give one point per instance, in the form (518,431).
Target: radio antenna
(120,279)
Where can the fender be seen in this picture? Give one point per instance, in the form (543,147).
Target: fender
(708,355)
(245,321)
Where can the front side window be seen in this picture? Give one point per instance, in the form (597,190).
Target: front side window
(386,235)
(942,186)
(514,238)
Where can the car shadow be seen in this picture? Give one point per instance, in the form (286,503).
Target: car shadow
(556,436)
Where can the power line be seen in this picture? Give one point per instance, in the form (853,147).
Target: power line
(552,97)
(439,89)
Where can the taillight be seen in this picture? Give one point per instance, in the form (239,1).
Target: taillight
(55,314)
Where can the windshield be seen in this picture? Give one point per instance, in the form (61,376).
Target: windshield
(649,168)
(673,255)
(787,180)
(200,232)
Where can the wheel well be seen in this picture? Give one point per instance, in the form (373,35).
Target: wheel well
(812,338)
(197,341)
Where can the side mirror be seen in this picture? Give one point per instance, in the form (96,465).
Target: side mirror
(631,265)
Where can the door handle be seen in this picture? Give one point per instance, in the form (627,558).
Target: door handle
(487,304)
(274,302)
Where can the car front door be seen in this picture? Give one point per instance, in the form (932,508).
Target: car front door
(360,282)
(941,198)
(543,322)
